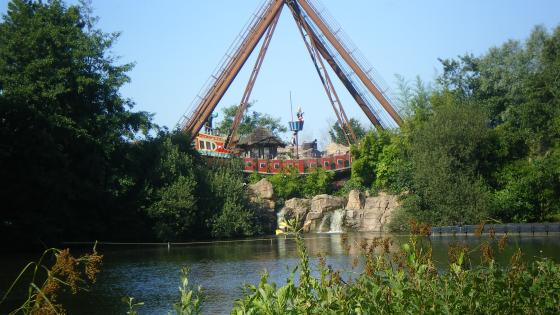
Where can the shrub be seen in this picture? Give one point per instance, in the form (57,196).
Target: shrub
(317,182)
(407,282)
(287,184)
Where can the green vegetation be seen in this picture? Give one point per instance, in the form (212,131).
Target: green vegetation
(251,120)
(291,184)
(74,274)
(337,134)
(406,281)
(78,163)
(45,282)
(483,143)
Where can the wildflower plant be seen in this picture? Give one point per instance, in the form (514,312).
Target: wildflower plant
(406,281)
(67,272)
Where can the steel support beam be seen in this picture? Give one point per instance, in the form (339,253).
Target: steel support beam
(231,138)
(344,79)
(323,74)
(314,16)
(226,77)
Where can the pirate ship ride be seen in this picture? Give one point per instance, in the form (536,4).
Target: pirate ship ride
(327,45)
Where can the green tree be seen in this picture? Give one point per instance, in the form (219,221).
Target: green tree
(251,120)
(366,156)
(64,123)
(287,184)
(451,152)
(317,182)
(337,134)
(530,190)
(233,214)
(174,206)
(394,168)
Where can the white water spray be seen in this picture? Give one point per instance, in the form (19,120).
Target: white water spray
(337,218)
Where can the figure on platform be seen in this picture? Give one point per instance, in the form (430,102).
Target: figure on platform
(299,114)
(208,128)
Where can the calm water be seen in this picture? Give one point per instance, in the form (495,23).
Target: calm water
(151,273)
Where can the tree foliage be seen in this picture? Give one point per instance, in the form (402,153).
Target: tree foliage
(366,156)
(78,163)
(291,184)
(64,123)
(251,120)
(338,135)
(481,144)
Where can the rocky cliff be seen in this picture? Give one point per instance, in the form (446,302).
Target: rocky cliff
(261,195)
(357,212)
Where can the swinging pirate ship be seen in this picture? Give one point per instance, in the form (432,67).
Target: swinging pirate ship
(327,45)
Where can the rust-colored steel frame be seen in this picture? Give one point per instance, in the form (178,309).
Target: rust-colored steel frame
(343,78)
(309,41)
(350,61)
(226,77)
(231,138)
(267,23)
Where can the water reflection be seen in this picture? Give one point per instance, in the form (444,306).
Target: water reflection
(151,274)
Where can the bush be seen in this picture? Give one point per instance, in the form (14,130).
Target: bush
(407,282)
(254,177)
(287,184)
(317,182)
(227,198)
(531,189)
(400,221)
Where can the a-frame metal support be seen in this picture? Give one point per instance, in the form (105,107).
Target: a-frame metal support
(231,139)
(265,21)
(229,71)
(343,77)
(315,17)
(311,46)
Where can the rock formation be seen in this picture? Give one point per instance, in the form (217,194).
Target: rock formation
(262,193)
(325,213)
(373,214)
(294,208)
(319,217)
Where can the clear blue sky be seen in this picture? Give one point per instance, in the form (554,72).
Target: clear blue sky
(177,44)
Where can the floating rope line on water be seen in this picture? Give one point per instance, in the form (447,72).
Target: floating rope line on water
(194,243)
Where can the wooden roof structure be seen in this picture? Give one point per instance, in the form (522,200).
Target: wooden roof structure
(260,137)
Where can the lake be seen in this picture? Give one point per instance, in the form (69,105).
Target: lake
(150,273)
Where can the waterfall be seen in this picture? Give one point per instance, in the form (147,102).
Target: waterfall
(336,221)
(326,218)
(332,222)
(280,217)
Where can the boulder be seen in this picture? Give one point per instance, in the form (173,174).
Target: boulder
(262,189)
(377,212)
(295,207)
(321,206)
(326,213)
(356,200)
(322,203)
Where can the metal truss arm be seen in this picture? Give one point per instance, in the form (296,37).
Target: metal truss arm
(231,69)
(316,18)
(231,138)
(323,74)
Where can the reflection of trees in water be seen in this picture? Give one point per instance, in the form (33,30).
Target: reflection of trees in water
(351,245)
